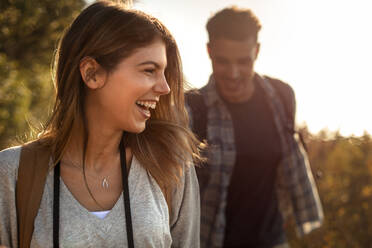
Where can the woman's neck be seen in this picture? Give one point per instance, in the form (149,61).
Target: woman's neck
(102,148)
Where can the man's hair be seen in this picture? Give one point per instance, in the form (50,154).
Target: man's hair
(233,23)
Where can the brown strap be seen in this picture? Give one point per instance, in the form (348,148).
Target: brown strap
(32,172)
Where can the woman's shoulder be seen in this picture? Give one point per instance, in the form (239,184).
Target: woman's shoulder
(9,160)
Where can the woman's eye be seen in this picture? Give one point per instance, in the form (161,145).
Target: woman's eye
(150,71)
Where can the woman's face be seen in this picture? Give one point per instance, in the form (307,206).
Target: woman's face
(132,89)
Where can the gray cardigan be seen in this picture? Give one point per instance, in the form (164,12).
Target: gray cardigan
(152,225)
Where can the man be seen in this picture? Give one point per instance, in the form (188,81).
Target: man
(255,162)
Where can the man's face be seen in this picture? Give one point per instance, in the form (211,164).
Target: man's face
(232,63)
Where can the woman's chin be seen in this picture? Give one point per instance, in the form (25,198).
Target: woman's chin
(139,128)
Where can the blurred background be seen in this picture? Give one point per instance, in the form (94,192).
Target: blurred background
(321,48)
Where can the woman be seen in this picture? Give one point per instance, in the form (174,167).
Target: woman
(119,107)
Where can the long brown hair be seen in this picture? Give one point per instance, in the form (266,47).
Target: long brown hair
(108,32)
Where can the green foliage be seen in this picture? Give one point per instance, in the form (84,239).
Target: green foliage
(29,31)
(15,100)
(343,169)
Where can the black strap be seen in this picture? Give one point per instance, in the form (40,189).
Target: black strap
(128,216)
(57,173)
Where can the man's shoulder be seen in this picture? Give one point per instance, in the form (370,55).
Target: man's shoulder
(281,86)
(284,91)
(194,97)
(286,95)
(192,92)
(197,91)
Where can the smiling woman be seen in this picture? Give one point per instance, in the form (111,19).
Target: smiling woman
(119,108)
(125,95)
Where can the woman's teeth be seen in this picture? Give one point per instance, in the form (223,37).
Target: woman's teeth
(147,104)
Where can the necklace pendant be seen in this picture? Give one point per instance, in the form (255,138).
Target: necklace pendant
(105,183)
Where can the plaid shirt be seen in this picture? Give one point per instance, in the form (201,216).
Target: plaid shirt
(295,184)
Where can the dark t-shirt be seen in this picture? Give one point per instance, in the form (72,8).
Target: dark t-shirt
(252,213)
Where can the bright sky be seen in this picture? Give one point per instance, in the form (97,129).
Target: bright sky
(322,48)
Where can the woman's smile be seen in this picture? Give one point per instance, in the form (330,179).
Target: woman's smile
(144,107)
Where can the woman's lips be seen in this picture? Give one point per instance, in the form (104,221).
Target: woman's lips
(145,111)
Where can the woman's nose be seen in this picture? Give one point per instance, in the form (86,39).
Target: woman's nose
(161,87)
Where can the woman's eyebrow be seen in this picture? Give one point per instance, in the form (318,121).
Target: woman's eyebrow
(157,65)
(149,63)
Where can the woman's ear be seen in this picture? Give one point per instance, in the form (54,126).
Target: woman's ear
(92,73)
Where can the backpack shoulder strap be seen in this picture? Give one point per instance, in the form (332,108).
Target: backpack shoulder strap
(199,114)
(287,98)
(32,173)
(195,101)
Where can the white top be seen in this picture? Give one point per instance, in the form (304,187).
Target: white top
(152,225)
(101,214)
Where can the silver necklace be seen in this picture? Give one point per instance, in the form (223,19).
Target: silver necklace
(105,184)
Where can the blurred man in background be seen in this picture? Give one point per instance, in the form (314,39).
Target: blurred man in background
(257,170)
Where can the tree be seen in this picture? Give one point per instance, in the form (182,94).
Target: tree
(345,190)
(29,31)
